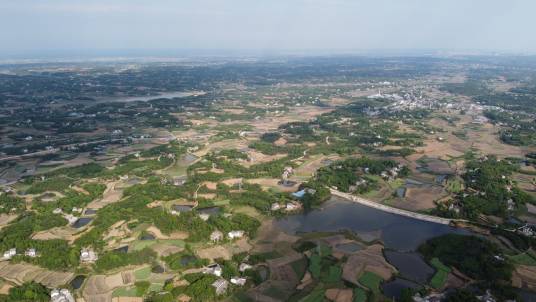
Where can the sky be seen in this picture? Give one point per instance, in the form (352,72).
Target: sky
(34,26)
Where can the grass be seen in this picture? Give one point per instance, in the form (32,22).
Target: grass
(442,272)
(371,281)
(141,244)
(142,273)
(299,267)
(317,295)
(528,258)
(333,275)
(360,295)
(125,292)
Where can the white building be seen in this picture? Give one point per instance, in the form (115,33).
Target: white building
(235,234)
(275,206)
(10,253)
(243,267)
(216,236)
(238,281)
(221,286)
(63,295)
(88,255)
(213,269)
(31,252)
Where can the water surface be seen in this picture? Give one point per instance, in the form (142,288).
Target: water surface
(397,232)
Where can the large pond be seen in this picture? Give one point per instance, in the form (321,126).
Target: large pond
(397,232)
(165,95)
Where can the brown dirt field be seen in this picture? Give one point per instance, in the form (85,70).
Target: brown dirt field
(280,142)
(163,249)
(210,185)
(267,183)
(524,276)
(99,288)
(231,181)
(268,236)
(127,299)
(370,259)
(312,165)
(159,235)
(21,272)
(420,198)
(258,157)
(4,289)
(339,295)
(225,251)
(5,219)
(111,194)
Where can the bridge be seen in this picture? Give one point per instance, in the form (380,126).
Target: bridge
(385,208)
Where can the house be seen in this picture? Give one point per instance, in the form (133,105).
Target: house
(213,269)
(275,206)
(216,236)
(291,206)
(243,267)
(10,253)
(238,281)
(63,295)
(527,230)
(235,234)
(31,252)
(88,255)
(221,286)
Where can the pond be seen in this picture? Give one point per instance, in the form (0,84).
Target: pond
(90,211)
(182,208)
(393,289)
(209,210)
(410,265)
(147,236)
(123,249)
(77,282)
(82,222)
(397,232)
(164,95)
(187,259)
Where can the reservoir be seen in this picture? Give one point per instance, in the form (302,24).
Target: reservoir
(398,233)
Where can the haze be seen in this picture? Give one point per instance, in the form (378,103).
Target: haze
(34,26)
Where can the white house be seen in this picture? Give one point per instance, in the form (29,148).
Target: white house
(235,234)
(213,269)
(275,206)
(221,286)
(63,295)
(10,253)
(243,267)
(238,281)
(88,255)
(216,236)
(31,252)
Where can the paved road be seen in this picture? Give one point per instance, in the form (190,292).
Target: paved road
(389,209)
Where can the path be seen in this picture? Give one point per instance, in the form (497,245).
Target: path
(393,210)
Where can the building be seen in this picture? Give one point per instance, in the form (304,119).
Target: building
(291,206)
(243,267)
(88,255)
(213,269)
(238,281)
(216,236)
(275,206)
(235,234)
(63,295)
(221,286)
(31,252)
(10,253)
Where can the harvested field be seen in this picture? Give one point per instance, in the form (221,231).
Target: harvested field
(99,288)
(370,259)
(111,194)
(524,276)
(21,272)
(267,183)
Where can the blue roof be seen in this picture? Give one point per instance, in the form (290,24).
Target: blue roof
(299,194)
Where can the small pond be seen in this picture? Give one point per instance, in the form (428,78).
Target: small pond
(182,208)
(83,221)
(77,282)
(410,265)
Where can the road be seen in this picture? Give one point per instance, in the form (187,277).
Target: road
(393,210)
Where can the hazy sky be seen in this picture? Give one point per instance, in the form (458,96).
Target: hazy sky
(35,25)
